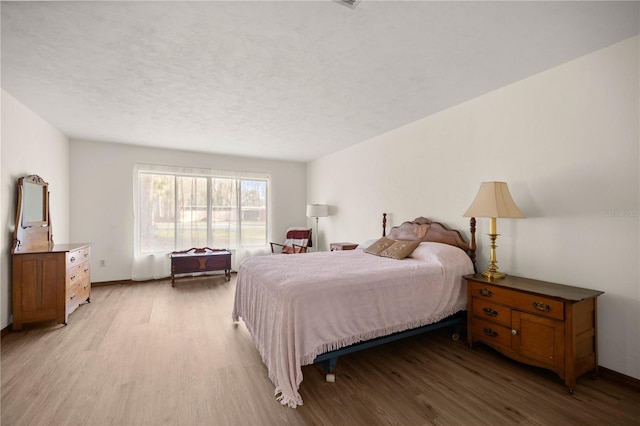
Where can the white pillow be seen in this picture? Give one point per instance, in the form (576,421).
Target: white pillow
(430,251)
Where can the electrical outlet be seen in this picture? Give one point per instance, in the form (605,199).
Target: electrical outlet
(102,263)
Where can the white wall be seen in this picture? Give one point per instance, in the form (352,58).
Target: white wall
(566,141)
(101,198)
(29,146)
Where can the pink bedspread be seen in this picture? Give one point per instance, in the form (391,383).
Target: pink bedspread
(299,306)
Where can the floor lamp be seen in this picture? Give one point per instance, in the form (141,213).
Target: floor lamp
(317,211)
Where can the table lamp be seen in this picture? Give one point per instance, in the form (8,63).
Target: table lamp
(493,201)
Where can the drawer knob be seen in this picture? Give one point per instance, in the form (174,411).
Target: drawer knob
(73,259)
(86,285)
(514,332)
(486,292)
(542,306)
(73,277)
(73,296)
(490,312)
(489,332)
(86,255)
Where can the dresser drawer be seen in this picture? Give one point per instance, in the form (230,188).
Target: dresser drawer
(75,275)
(74,297)
(490,311)
(491,333)
(78,256)
(536,304)
(84,289)
(86,270)
(78,291)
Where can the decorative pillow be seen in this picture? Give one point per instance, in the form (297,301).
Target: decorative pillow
(380,245)
(400,249)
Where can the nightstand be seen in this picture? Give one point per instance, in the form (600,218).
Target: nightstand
(544,324)
(342,246)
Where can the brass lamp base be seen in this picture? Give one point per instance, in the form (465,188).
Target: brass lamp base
(493,274)
(492,270)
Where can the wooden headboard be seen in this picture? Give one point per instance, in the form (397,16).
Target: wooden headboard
(423,229)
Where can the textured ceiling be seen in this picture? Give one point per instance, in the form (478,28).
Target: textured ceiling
(292,80)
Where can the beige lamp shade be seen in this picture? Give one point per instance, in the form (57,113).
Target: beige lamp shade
(317,210)
(493,200)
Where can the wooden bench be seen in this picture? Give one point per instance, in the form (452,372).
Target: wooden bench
(196,260)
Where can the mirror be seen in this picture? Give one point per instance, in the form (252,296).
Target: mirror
(33,228)
(33,203)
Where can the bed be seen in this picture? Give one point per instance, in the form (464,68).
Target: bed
(313,307)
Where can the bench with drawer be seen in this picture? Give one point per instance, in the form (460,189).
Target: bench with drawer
(200,260)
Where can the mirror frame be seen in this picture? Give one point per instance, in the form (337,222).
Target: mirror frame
(24,196)
(32,235)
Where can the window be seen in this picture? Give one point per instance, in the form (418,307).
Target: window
(179,209)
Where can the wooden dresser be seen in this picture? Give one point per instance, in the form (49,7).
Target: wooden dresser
(49,280)
(49,284)
(539,323)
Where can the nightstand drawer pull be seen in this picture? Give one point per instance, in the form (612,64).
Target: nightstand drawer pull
(485,292)
(490,312)
(73,296)
(542,306)
(73,259)
(489,332)
(73,277)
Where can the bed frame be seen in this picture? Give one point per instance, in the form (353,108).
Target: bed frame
(420,229)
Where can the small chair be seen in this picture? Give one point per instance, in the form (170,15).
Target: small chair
(297,241)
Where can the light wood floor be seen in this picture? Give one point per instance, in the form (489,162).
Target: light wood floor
(149,354)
